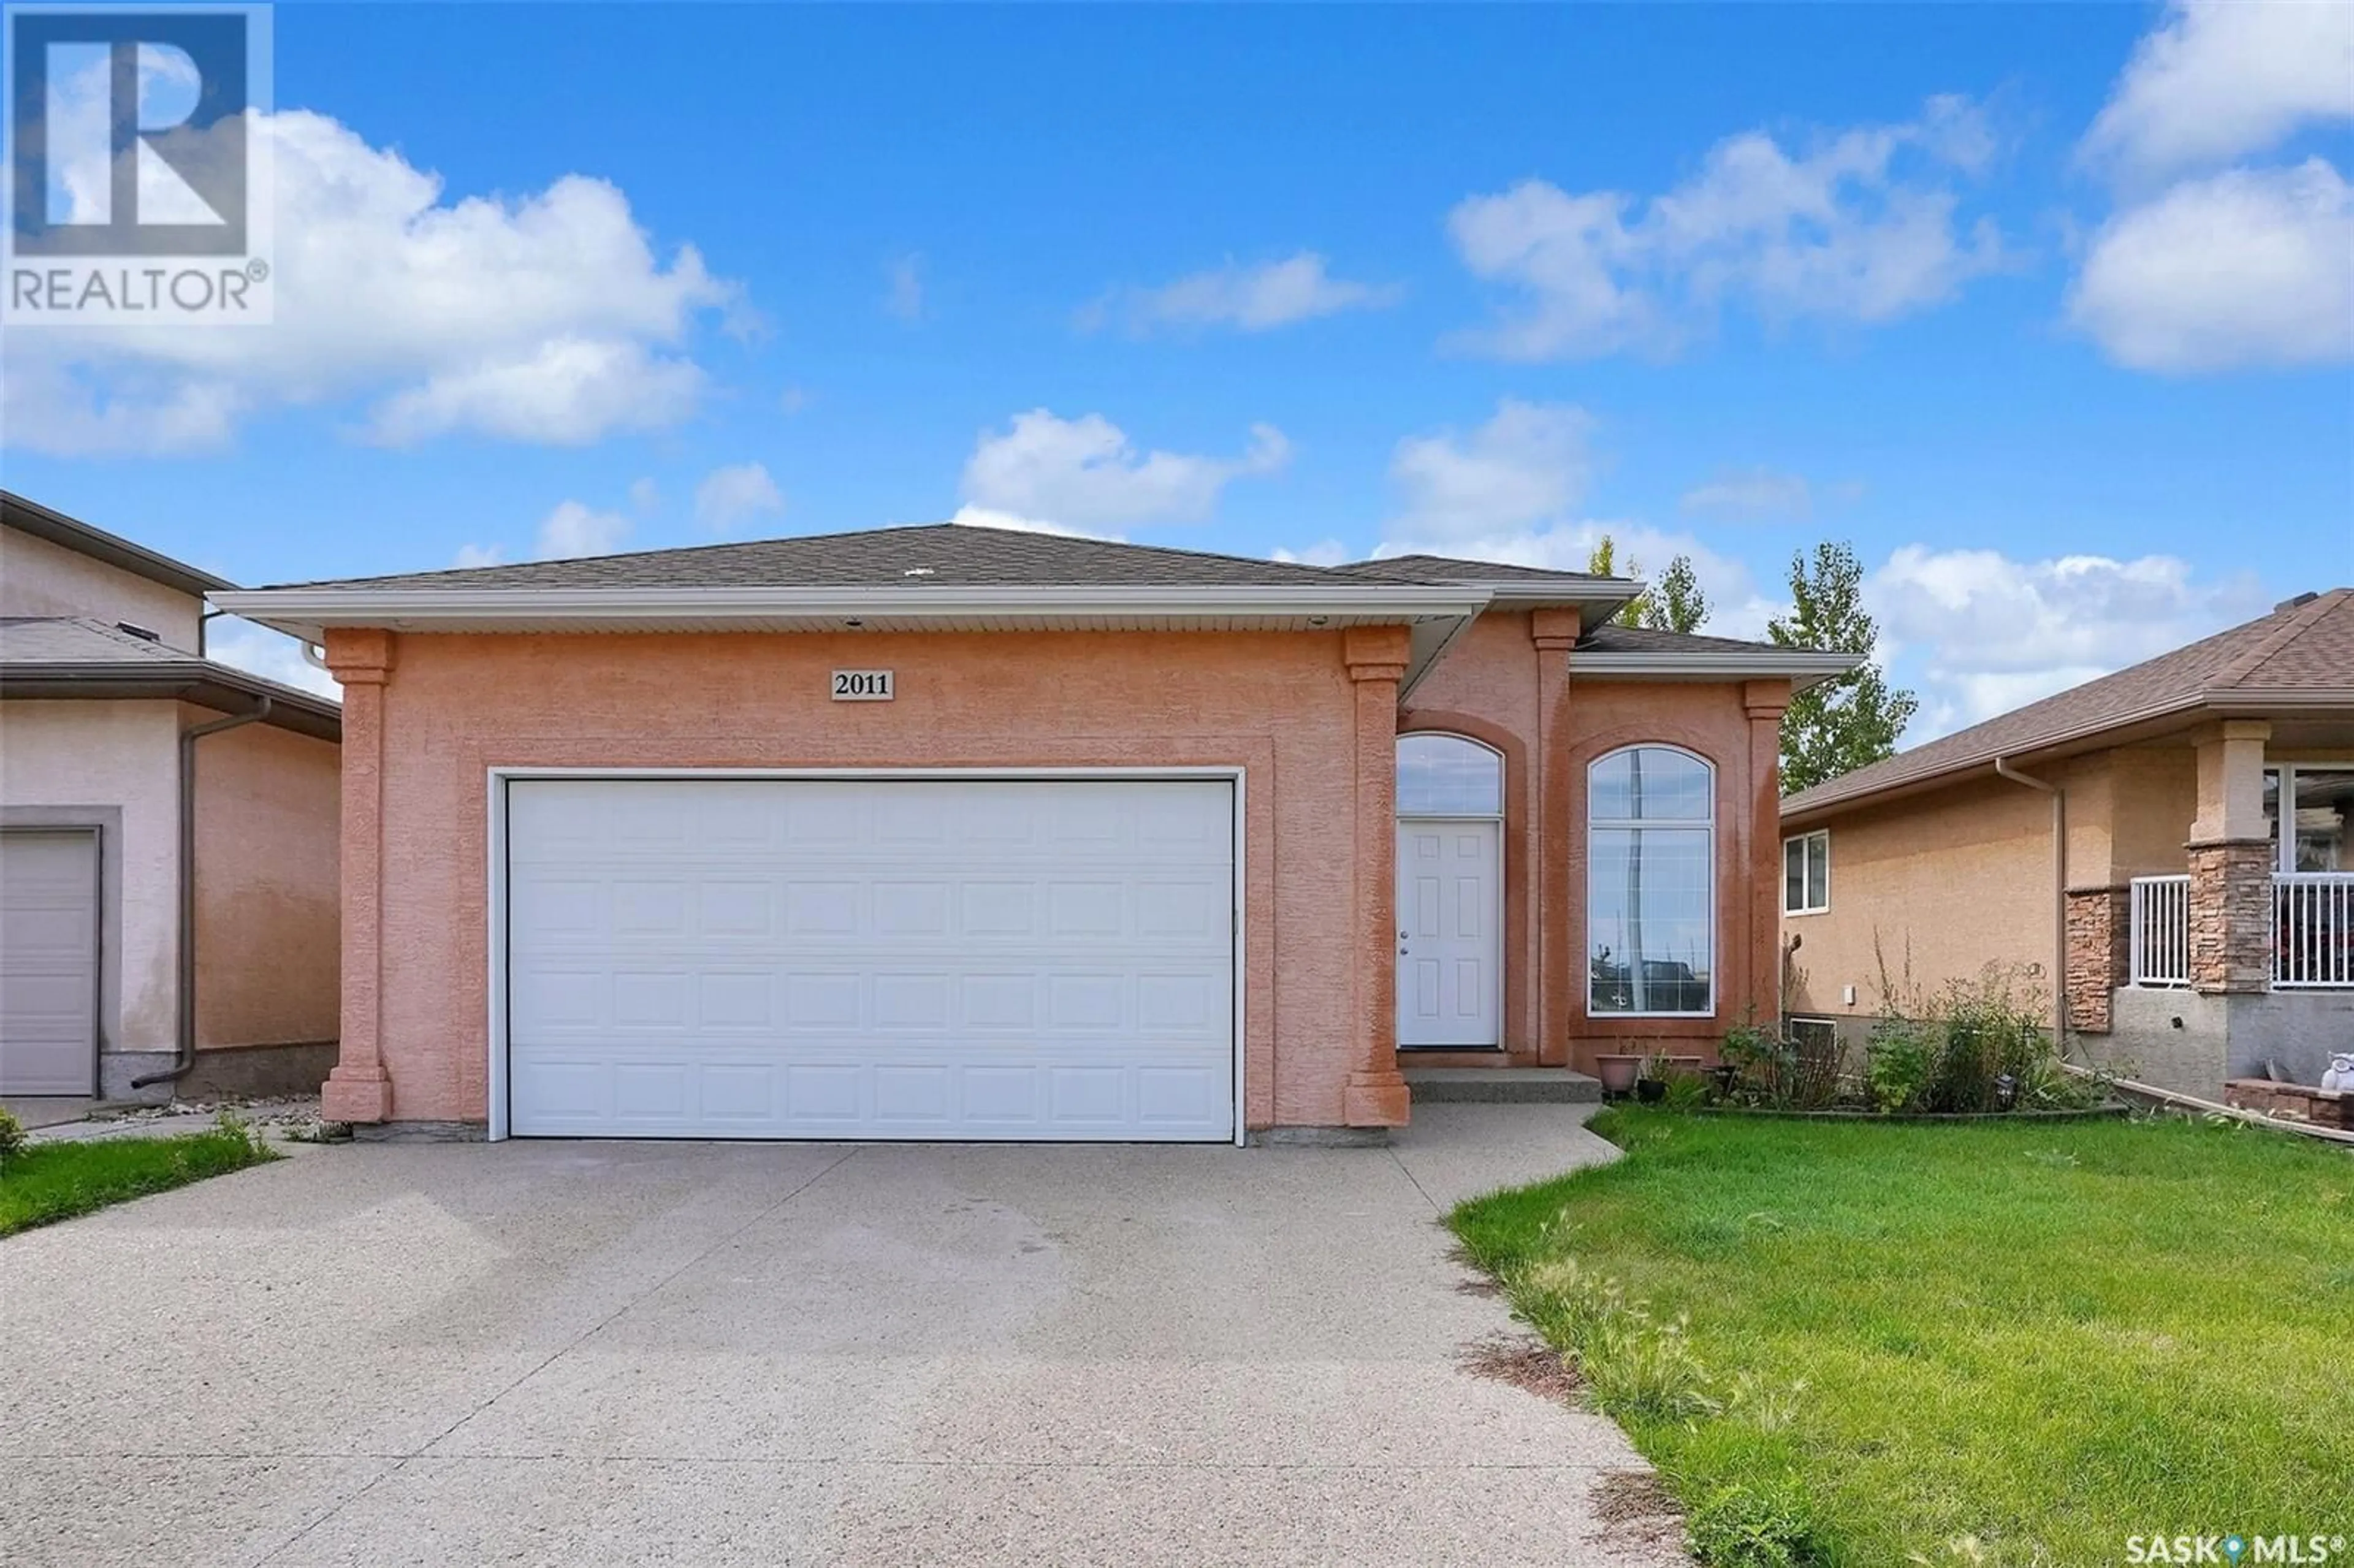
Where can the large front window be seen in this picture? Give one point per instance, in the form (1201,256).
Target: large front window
(1651,903)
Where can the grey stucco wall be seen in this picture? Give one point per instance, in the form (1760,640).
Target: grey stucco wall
(2293,1029)
(2175,1040)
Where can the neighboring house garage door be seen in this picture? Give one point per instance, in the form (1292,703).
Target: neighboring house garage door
(912,958)
(49,962)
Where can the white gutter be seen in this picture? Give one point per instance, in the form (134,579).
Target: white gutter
(1803,667)
(305,612)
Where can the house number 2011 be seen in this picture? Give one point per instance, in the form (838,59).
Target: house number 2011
(862,685)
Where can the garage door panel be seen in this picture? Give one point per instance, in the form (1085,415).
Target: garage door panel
(957,959)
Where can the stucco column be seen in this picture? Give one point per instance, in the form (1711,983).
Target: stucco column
(1376,1093)
(1758,843)
(2232,863)
(1554,632)
(358,1089)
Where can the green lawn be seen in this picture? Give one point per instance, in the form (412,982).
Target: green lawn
(52,1181)
(2048,1339)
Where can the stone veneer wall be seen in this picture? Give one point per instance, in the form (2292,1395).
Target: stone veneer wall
(2099,927)
(2230,915)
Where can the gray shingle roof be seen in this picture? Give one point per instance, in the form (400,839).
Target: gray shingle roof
(78,641)
(942,552)
(951,554)
(1454,569)
(2305,646)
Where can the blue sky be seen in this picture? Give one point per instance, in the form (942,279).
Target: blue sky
(2047,309)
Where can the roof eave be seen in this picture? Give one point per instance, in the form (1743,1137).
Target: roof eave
(1801,667)
(1593,604)
(218,687)
(52,526)
(2141,723)
(307,613)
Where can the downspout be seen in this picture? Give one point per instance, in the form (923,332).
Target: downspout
(183,1056)
(2058,891)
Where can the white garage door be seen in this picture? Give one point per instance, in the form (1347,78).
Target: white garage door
(952,959)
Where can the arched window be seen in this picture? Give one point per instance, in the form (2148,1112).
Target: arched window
(1448,775)
(1650,882)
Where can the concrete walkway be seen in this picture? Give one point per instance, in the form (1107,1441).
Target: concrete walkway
(606,1353)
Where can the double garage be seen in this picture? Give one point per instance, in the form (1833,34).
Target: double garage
(938,956)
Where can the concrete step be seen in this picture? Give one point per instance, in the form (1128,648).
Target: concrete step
(1502,1086)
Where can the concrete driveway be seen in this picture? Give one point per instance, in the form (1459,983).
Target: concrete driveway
(590,1353)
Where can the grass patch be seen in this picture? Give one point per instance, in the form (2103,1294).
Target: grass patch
(51,1181)
(1859,1345)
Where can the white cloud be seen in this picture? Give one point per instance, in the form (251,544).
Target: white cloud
(573,530)
(2222,79)
(1753,492)
(1527,464)
(731,495)
(1083,475)
(472,555)
(2249,267)
(272,656)
(792,400)
(543,318)
(1508,490)
(982,517)
(903,292)
(1324,553)
(1253,298)
(2062,621)
(644,494)
(566,392)
(1863,227)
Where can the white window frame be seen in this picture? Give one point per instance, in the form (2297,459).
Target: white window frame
(1805,875)
(1501,781)
(1705,826)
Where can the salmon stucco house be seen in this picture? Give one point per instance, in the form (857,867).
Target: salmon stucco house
(952,832)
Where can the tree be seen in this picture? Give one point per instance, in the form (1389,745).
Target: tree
(1839,724)
(1674,603)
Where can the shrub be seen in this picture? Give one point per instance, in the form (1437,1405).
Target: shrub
(1948,1052)
(12,1137)
(1898,1061)
(1783,1069)
(1767,1524)
(1686,1091)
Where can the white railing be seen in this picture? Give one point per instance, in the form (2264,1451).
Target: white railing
(2161,930)
(2312,929)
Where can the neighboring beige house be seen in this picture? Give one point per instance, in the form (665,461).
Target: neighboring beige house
(168,908)
(2169,843)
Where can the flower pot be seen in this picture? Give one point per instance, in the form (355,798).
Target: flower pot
(1616,1072)
(1650,1091)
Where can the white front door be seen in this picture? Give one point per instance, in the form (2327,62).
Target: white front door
(1449,907)
(913,959)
